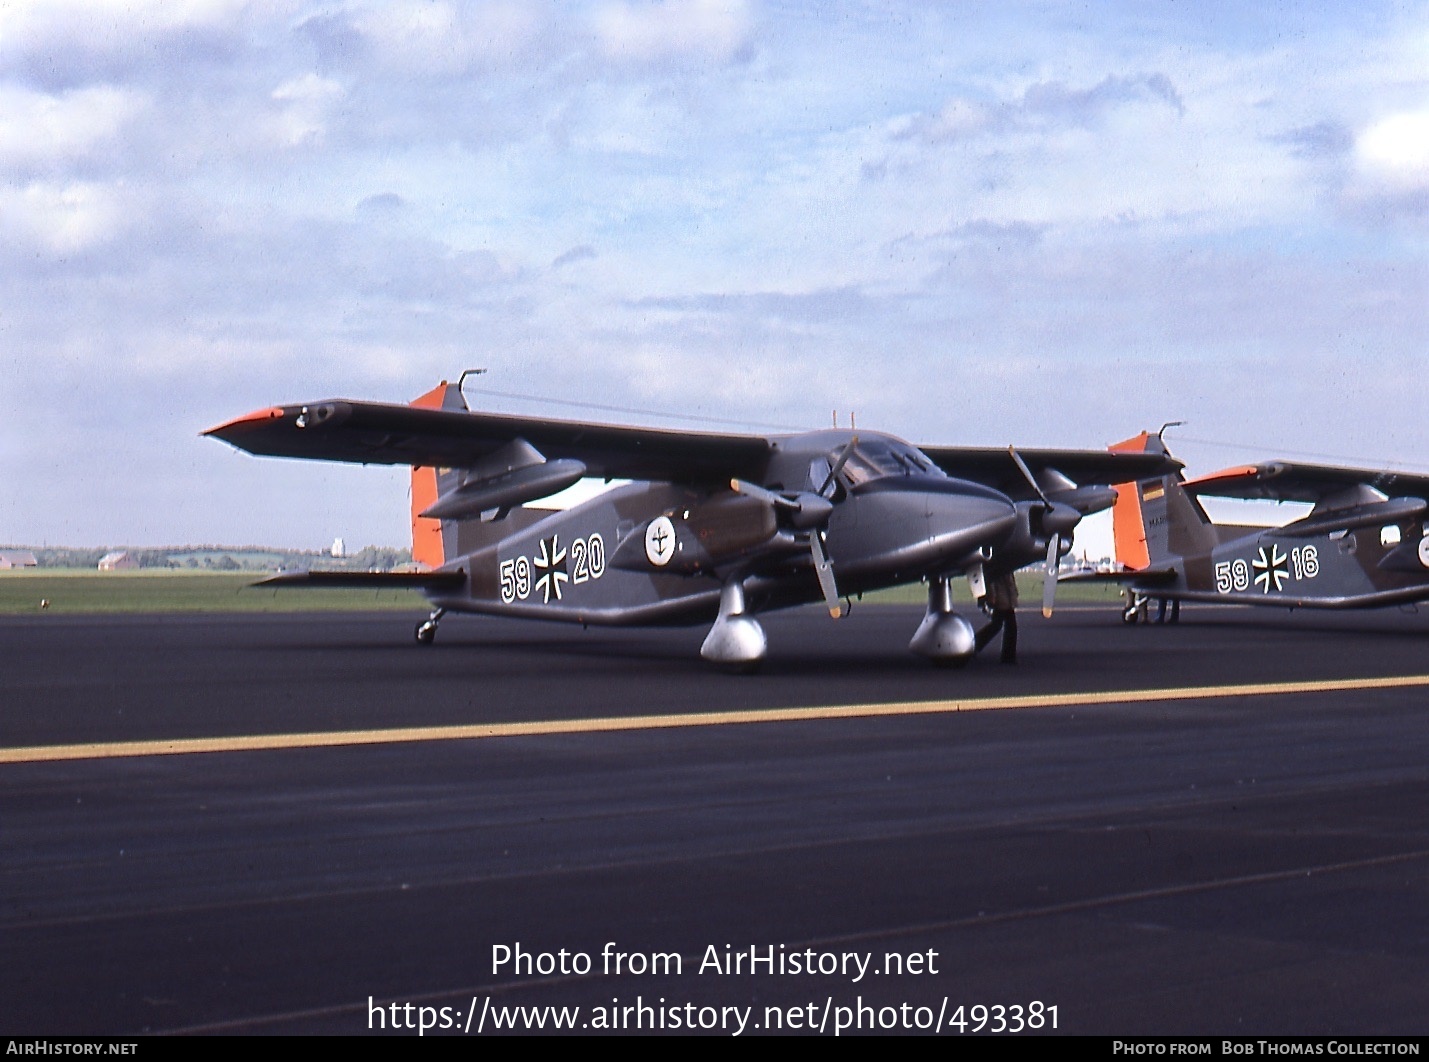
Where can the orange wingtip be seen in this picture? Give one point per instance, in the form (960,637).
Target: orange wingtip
(1226,475)
(260,416)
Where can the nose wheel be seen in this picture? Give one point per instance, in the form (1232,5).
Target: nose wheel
(426,631)
(943,637)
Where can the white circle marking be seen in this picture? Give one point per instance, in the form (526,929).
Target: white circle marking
(660,541)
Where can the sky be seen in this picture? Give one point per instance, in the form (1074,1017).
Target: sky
(1048,224)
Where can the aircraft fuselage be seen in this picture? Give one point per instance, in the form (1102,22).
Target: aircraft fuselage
(1366,567)
(651,553)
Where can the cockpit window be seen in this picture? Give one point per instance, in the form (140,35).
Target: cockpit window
(819,469)
(875,458)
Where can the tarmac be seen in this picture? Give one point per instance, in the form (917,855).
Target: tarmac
(309,823)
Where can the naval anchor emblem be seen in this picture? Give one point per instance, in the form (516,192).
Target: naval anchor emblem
(660,541)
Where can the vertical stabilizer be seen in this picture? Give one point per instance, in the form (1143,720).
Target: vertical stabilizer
(1154,520)
(429,536)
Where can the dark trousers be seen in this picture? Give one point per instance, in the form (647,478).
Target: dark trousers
(1175,610)
(1004,620)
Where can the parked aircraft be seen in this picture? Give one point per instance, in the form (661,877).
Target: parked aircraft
(714,527)
(1363,544)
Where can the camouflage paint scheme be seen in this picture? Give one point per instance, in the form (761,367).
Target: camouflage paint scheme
(714,527)
(1363,544)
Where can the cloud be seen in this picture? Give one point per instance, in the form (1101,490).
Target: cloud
(65,43)
(42,130)
(61,219)
(221,205)
(32,23)
(1042,104)
(427,39)
(1322,140)
(1393,153)
(382,205)
(673,29)
(583,253)
(1053,98)
(305,103)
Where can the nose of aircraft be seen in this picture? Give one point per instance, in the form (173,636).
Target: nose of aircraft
(964,516)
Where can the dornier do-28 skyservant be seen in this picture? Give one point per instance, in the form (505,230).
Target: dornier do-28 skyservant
(713,528)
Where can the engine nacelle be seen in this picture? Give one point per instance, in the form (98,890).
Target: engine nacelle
(514,487)
(719,530)
(1036,523)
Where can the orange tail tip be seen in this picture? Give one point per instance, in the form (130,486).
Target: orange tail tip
(1128,527)
(1136,444)
(433,399)
(427,546)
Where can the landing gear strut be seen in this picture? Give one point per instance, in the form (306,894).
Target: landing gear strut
(427,630)
(943,637)
(736,639)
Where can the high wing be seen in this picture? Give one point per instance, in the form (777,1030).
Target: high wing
(421,435)
(1289,481)
(1057,471)
(1343,498)
(390,434)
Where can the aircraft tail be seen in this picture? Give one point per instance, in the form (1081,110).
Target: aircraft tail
(434,541)
(1155,520)
(438,540)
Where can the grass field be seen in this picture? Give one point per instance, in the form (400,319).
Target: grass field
(169,591)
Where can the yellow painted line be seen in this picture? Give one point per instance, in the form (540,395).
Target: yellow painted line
(333,739)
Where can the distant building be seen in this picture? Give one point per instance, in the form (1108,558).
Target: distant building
(17,558)
(338,550)
(113,562)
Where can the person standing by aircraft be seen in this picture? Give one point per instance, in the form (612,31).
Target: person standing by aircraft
(1001,601)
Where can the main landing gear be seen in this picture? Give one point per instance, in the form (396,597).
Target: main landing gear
(943,637)
(427,630)
(736,640)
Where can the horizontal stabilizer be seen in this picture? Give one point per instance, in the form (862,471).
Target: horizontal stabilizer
(369,580)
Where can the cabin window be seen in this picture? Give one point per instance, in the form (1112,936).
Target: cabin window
(1389,536)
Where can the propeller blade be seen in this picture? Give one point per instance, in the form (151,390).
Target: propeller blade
(1027,473)
(1049,584)
(825,572)
(838,464)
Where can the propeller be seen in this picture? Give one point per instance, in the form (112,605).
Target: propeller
(1051,517)
(809,511)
